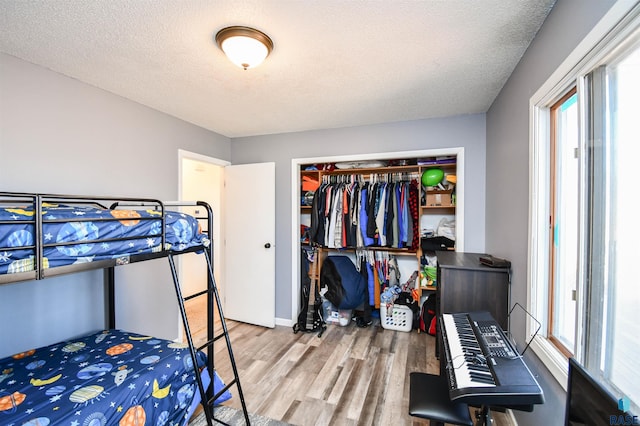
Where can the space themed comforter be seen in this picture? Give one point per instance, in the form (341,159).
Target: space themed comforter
(78,234)
(107,378)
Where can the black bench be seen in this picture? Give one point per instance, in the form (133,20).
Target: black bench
(429,399)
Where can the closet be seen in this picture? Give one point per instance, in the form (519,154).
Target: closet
(337,202)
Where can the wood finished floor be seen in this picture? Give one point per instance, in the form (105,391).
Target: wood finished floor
(349,376)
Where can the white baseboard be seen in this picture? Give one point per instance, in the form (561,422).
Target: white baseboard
(287,322)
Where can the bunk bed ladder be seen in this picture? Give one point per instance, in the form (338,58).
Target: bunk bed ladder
(207,396)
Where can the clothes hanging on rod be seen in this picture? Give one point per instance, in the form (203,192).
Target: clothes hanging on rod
(382,272)
(348,211)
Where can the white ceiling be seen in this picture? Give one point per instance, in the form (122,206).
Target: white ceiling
(335,63)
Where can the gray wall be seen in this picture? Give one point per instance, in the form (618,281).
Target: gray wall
(508,162)
(466,131)
(58,135)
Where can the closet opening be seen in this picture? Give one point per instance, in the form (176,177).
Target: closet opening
(437,205)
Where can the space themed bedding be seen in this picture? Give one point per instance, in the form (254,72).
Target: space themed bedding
(107,378)
(78,234)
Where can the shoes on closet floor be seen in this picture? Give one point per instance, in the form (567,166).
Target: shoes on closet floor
(362,323)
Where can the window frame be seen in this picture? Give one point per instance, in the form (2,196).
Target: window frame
(553,188)
(604,41)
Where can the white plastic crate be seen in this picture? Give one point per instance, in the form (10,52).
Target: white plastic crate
(396,317)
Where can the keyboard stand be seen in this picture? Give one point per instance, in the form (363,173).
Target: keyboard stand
(474,340)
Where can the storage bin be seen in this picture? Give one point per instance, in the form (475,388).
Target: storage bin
(333,315)
(439,199)
(396,317)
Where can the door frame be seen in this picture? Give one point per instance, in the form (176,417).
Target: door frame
(219,239)
(295,201)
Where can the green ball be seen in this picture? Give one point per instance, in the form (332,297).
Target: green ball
(432,177)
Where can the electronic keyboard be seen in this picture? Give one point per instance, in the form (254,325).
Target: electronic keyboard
(483,366)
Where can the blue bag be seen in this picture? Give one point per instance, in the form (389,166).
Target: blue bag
(345,285)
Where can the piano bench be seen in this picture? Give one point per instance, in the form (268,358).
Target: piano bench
(429,399)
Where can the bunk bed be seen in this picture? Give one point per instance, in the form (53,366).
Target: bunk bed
(110,376)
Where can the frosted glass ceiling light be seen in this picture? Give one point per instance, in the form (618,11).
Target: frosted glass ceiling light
(246,47)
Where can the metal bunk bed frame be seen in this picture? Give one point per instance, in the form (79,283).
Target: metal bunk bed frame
(207,397)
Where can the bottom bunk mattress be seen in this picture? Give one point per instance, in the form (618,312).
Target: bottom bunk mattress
(106,378)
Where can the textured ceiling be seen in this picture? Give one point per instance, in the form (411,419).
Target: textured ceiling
(335,63)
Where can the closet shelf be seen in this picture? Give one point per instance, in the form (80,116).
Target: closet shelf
(400,251)
(452,207)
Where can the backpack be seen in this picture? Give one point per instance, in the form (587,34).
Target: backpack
(405,298)
(345,285)
(428,316)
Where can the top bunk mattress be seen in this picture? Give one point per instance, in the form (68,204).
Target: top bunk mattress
(74,234)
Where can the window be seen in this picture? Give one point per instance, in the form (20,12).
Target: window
(585,234)
(612,342)
(563,247)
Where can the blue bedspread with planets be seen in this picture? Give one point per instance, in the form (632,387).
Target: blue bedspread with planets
(107,378)
(78,234)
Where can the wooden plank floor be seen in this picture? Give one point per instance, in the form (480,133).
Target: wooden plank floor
(349,376)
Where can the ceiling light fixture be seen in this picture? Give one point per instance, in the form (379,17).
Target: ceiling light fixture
(246,47)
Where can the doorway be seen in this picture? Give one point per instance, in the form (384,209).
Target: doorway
(201,178)
(251,297)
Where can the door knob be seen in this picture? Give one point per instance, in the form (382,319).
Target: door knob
(267,245)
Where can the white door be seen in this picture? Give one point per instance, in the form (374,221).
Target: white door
(249,211)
